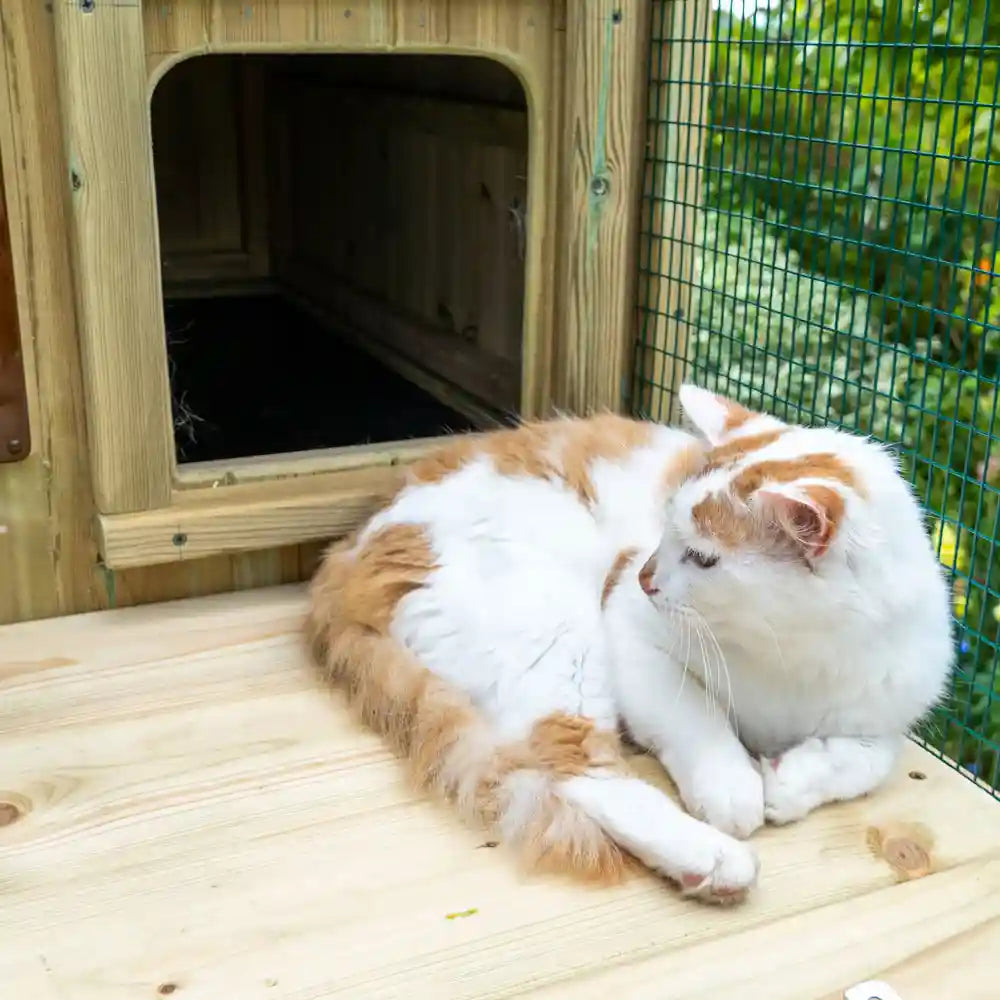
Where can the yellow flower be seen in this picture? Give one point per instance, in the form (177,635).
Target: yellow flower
(950,553)
(960,598)
(996,612)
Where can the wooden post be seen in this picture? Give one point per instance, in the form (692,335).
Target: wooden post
(104,96)
(607,45)
(672,192)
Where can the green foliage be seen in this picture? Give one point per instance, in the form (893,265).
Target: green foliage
(853,189)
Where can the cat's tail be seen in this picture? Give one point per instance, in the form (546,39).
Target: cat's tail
(511,787)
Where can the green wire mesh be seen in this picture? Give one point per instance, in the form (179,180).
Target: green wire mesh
(820,242)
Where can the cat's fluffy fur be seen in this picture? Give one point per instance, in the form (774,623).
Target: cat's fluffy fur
(759,605)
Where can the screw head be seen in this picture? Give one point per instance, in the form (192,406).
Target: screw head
(15,446)
(180,539)
(599,187)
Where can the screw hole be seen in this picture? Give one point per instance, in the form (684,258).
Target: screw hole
(917,775)
(616,17)
(180,539)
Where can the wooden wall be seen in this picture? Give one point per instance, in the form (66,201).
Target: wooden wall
(208,156)
(49,558)
(403,219)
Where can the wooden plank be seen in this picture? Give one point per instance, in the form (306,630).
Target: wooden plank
(209,818)
(47,553)
(116,253)
(671,199)
(301,463)
(355,24)
(260,515)
(607,47)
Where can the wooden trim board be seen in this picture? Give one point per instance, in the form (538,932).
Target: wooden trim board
(260,515)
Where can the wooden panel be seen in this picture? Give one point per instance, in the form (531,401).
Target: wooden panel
(239,518)
(607,43)
(196,115)
(47,553)
(188,807)
(671,196)
(210,155)
(408,226)
(106,122)
(15,434)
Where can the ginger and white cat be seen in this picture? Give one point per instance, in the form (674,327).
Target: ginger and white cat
(758,605)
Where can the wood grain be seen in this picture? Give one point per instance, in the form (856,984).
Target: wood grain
(186,807)
(85,92)
(48,552)
(105,111)
(606,45)
(257,515)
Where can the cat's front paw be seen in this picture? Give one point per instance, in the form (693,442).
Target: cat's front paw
(727,793)
(790,783)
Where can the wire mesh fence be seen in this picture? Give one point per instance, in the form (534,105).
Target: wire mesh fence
(820,241)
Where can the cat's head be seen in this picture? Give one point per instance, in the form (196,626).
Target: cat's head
(788,527)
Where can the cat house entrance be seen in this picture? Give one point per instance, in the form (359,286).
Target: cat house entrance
(342,249)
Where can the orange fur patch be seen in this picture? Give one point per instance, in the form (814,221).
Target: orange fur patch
(570,745)
(607,436)
(615,573)
(788,470)
(686,464)
(392,563)
(442,462)
(717,517)
(736,414)
(558,450)
(736,450)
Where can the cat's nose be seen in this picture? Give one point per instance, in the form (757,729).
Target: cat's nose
(646,576)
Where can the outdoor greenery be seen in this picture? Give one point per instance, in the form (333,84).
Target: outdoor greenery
(852,185)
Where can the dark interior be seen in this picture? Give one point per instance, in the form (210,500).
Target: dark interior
(235,395)
(332,227)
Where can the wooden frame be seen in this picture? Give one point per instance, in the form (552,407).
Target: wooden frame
(584,158)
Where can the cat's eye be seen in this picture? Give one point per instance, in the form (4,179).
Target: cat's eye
(699,558)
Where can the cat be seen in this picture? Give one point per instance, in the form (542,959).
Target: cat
(758,604)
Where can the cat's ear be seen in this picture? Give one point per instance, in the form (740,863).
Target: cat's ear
(808,516)
(714,416)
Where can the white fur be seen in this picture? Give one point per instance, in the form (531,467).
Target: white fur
(766,687)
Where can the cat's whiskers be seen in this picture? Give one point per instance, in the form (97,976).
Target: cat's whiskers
(777,645)
(705,630)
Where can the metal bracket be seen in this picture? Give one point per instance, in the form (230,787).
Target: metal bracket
(15,441)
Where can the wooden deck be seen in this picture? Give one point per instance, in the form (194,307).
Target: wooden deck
(183,811)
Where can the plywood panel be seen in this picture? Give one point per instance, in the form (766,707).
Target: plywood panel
(210,160)
(409,223)
(196,115)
